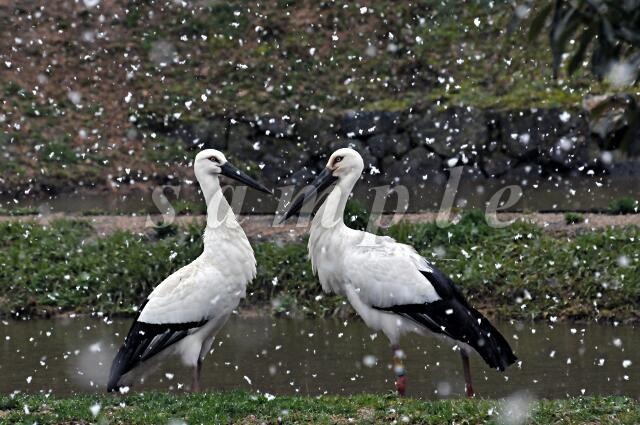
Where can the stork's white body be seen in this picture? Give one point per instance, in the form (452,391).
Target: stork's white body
(369,270)
(210,287)
(392,287)
(184,313)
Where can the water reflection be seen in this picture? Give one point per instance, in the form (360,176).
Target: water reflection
(326,357)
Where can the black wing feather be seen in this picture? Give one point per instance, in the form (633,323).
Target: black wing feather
(454,317)
(144,341)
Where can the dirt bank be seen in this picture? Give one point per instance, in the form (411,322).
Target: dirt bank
(263,227)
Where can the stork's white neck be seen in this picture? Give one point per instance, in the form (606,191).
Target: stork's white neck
(209,184)
(331,214)
(329,235)
(221,221)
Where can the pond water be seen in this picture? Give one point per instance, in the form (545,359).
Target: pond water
(312,357)
(569,194)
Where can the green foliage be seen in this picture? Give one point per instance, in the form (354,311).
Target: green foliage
(517,272)
(64,267)
(11,88)
(185,206)
(166,230)
(243,407)
(623,206)
(573,218)
(58,152)
(356,215)
(285,281)
(472,228)
(132,18)
(607,29)
(520,271)
(610,27)
(165,150)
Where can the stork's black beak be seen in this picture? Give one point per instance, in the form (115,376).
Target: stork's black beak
(321,182)
(235,174)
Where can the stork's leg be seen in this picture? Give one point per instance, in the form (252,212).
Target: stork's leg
(468,385)
(195,385)
(398,368)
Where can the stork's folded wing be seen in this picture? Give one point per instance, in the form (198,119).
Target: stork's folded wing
(389,274)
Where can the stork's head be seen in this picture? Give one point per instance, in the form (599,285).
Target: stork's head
(345,161)
(213,162)
(209,161)
(345,166)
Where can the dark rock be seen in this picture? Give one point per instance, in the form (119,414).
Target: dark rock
(608,120)
(315,134)
(492,118)
(360,124)
(387,162)
(290,154)
(370,161)
(412,147)
(400,143)
(522,145)
(421,161)
(300,178)
(418,165)
(341,142)
(450,131)
(626,167)
(539,133)
(528,171)
(560,152)
(293,157)
(273,171)
(379,145)
(314,127)
(573,153)
(495,164)
(283,158)
(280,165)
(522,132)
(382,144)
(241,143)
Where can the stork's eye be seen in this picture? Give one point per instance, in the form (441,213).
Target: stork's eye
(213,159)
(338,159)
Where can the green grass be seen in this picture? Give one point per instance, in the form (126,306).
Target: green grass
(242,407)
(573,218)
(623,206)
(515,272)
(356,215)
(18,211)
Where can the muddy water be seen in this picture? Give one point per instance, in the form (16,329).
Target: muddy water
(327,357)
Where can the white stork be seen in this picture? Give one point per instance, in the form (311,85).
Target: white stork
(183,314)
(392,287)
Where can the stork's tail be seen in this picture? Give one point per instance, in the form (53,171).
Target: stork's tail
(490,343)
(117,370)
(459,321)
